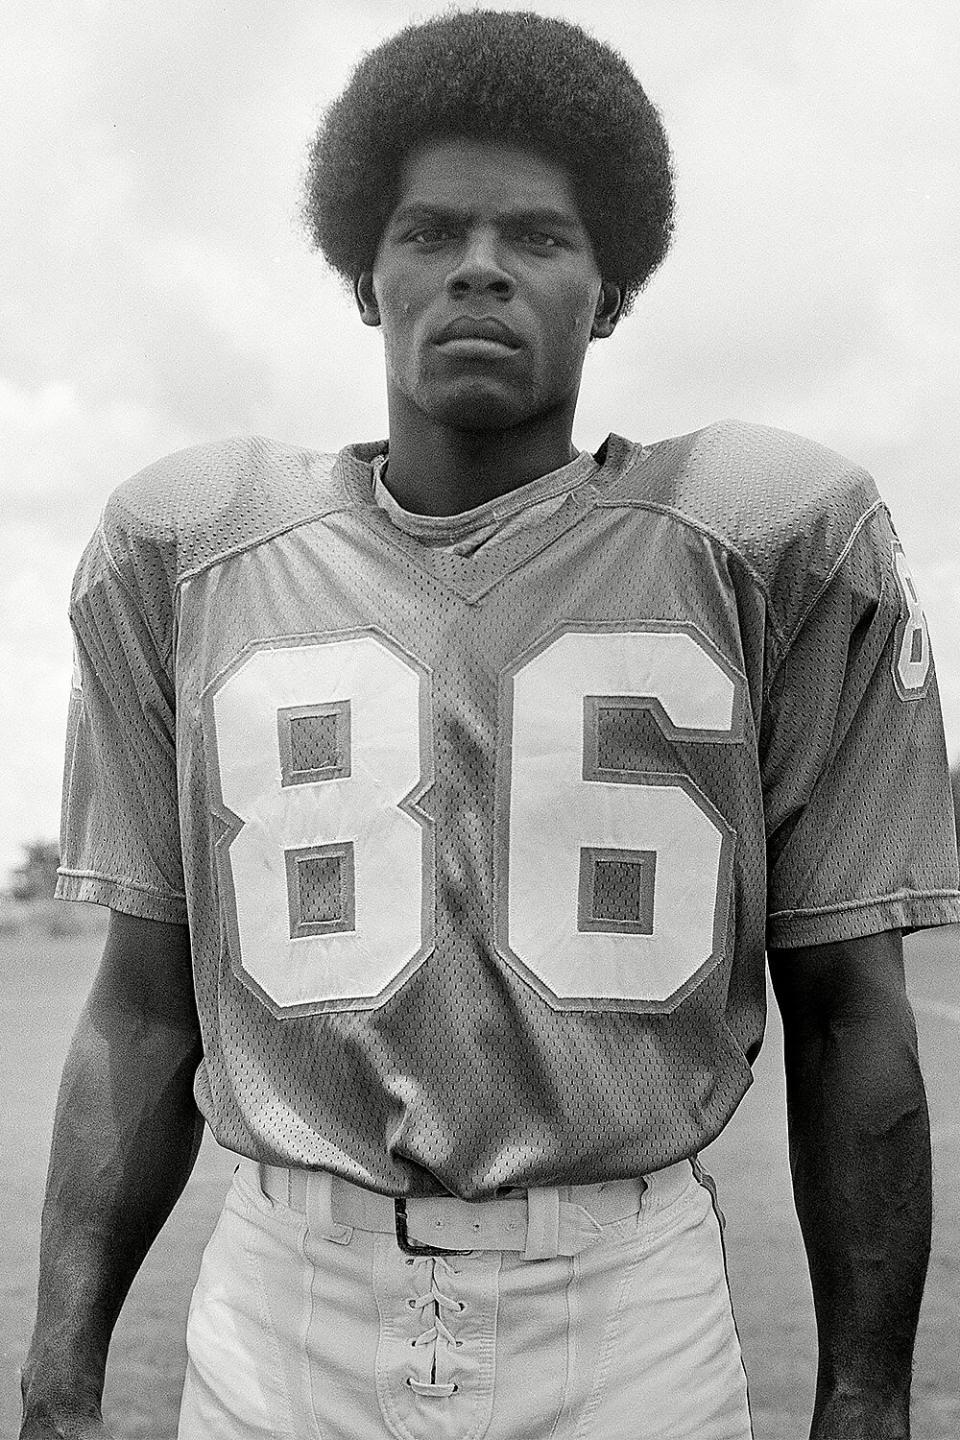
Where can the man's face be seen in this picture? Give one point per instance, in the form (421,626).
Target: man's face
(486,286)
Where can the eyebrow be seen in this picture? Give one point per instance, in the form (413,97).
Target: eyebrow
(538,215)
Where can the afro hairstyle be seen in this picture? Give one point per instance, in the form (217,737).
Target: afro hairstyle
(514,78)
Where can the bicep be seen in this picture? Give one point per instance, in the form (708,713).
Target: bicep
(847,1022)
(815,984)
(146,973)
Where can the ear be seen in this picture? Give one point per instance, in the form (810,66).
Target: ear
(609,309)
(366,298)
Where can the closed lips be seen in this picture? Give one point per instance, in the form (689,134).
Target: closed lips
(467,328)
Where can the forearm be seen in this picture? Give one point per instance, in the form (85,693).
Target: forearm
(860,1154)
(126,1134)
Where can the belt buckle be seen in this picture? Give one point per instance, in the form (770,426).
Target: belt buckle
(408,1246)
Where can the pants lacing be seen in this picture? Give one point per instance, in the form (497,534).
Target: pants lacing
(438,1300)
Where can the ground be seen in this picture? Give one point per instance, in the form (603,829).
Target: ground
(43,979)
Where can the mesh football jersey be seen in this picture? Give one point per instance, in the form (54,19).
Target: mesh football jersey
(481,853)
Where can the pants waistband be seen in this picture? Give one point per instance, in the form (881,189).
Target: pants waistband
(540,1222)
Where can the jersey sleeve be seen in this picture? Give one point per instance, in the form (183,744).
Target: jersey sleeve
(120,836)
(859,818)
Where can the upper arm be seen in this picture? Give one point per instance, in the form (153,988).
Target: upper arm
(815,984)
(854,769)
(146,972)
(120,831)
(846,1012)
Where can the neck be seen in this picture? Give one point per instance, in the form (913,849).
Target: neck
(439,470)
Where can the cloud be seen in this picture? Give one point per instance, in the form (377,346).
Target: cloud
(61,458)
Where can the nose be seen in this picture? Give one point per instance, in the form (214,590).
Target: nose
(479,268)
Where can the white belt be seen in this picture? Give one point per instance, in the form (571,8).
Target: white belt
(535,1221)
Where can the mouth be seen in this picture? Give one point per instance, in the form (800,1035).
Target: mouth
(480,337)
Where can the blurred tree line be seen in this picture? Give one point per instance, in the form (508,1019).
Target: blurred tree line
(35,878)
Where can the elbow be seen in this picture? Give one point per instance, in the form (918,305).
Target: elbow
(867,1073)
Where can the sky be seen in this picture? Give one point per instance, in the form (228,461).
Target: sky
(156,289)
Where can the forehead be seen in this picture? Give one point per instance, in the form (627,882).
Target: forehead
(482,176)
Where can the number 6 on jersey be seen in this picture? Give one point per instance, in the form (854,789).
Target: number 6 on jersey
(615,883)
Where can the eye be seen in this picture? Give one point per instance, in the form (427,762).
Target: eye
(429,235)
(540,238)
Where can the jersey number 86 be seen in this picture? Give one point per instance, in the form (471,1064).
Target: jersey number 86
(611,888)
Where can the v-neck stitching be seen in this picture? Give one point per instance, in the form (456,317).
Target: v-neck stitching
(472,577)
(444,532)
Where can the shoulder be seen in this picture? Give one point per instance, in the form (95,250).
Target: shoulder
(189,510)
(788,507)
(197,504)
(755,486)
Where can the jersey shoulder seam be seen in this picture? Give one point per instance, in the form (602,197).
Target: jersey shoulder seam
(835,569)
(164,652)
(704,529)
(789,641)
(263,539)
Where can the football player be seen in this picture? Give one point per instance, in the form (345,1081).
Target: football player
(448,793)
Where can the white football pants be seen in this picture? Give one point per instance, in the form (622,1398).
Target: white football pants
(297,1336)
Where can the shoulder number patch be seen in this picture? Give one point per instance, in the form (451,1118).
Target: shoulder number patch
(911,666)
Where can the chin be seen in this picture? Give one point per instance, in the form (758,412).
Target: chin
(478,408)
